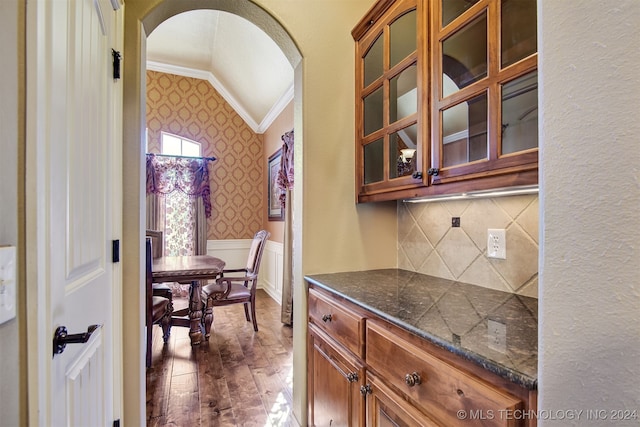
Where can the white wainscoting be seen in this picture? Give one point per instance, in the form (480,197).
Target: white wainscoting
(235,252)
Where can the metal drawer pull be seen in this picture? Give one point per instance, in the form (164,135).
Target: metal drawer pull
(412,379)
(326,318)
(352,377)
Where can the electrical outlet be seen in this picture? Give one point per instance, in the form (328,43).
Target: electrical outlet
(7,283)
(497,335)
(496,243)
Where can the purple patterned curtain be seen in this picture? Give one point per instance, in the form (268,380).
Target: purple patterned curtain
(285,174)
(187,175)
(285,183)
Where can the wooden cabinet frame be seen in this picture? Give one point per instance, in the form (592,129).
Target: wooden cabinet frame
(377,23)
(496,171)
(490,85)
(384,397)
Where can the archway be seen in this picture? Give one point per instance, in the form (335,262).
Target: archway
(140,19)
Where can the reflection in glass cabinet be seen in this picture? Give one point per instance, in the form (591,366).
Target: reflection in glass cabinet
(520,114)
(451,9)
(518,30)
(373,65)
(402,37)
(374,161)
(464,54)
(403,97)
(373,112)
(402,151)
(464,132)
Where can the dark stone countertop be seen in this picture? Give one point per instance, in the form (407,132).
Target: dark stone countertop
(456,316)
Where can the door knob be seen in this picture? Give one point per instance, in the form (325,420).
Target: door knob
(61,338)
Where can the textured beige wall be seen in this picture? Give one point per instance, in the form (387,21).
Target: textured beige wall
(428,244)
(10,363)
(193,109)
(589,330)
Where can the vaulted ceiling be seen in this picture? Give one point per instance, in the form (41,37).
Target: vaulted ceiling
(240,60)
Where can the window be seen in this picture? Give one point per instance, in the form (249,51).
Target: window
(176,214)
(175,145)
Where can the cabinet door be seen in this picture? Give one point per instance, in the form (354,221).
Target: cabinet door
(386,409)
(391,99)
(485,97)
(334,381)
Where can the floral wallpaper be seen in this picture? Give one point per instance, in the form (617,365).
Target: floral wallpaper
(193,109)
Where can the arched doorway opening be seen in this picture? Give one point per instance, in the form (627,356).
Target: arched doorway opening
(140,20)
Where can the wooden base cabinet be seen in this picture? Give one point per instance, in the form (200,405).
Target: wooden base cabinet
(334,382)
(335,368)
(365,371)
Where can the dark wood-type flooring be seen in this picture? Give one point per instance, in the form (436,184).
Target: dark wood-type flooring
(238,378)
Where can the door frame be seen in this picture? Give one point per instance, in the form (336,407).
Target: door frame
(140,20)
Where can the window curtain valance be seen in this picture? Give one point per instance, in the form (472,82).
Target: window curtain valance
(187,175)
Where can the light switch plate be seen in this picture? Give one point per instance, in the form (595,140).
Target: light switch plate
(7,283)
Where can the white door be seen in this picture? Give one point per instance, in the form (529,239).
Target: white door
(72,147)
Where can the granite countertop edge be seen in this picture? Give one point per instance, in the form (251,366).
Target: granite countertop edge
(503,371)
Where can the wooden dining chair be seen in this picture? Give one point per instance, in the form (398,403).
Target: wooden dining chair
(157,246)
(239,288)
(158,309)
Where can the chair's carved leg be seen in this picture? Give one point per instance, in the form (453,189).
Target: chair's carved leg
(246,311)
(208,319)
(253,315)
(166,323)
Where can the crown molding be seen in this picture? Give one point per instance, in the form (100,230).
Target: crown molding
(208,76)
(275,111)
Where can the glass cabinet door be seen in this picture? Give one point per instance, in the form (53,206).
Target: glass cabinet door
(445,97)
(388,101)
(485,93)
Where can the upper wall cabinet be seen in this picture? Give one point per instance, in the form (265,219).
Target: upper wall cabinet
(391,97)
(446,97)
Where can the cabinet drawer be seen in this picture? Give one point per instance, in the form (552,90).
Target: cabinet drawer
(387,408)
(442,390)
(342,324)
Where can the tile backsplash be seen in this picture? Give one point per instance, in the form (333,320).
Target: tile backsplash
(427,243)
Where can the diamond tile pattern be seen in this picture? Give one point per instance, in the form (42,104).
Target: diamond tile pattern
(193,109)
(428,244)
